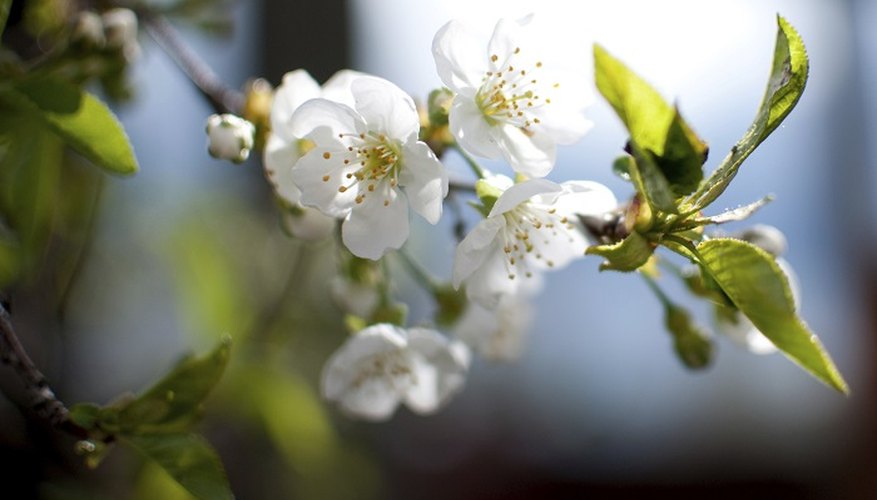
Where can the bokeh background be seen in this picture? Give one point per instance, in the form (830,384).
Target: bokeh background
(191,248)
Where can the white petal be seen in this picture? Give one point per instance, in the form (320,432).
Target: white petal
(279,157)
(585,198)
(309,173)
(297,88)
(425,181)
(475,248)
(530,155)
(522,192)
(309,224)
(470,128)
(372,228)
(385,107)
(507,37)
(562,124)
(342,368)
(438,371)
(490,282)
(338,87)
(375,399)
(459,57)
(322,115)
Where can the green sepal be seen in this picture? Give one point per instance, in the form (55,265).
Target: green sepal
(627,255)
(758,287)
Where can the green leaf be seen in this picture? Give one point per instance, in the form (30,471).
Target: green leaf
(691,343)
(626,255)
(80,119)
(668,154)
(174,403)
(189,459)
(30,167)
(4,13)
(788,78)
(758,287)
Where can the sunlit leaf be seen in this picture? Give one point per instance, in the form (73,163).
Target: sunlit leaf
(80,119)
(626,255)
(758,287)
(174,403)
(669,156)
(189,459)
(784,88)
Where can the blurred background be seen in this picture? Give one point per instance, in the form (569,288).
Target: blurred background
(192,248)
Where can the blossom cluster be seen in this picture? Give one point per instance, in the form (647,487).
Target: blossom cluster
(351,152)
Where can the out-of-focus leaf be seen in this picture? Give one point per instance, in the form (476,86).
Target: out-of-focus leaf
(44,18)
(758,287)
(30,166)
(626,255)
(174,403)
(740,213)
(80,119)
(153,483)
(690,341)
(189,459)
(4,14)
(788,78)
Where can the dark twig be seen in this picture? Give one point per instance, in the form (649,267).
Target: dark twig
(43,401)
(222,98)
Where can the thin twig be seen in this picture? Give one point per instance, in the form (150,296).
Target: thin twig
(222,98)
(43,401)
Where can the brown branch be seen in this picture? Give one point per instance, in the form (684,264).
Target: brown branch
(42,400)
(222,98)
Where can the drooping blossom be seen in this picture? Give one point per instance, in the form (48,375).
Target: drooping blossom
(509,102)
(533,226)
(500,334)
(384,365)
(367,166)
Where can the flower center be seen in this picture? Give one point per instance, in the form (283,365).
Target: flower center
(529,231)
(511,94)
(395,366)
(371,166)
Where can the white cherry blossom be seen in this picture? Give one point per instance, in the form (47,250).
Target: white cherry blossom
(384,365)
(533,226)
(509,102)
(500,334)
(284,148)
(367,166)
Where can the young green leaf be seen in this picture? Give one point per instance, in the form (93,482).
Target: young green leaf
(758,287)
(788,78)
(626,255)
(691,343)
(669,156)
(189,459)
(80,119)
(174,403)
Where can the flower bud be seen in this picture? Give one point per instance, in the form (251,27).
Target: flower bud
(230,137)
(88,31)
(120,30)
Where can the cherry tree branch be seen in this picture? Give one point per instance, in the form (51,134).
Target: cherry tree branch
(41,399)
(222,98)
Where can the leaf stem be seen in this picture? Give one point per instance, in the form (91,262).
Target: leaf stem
(423,277)
(653,286)
(476,168)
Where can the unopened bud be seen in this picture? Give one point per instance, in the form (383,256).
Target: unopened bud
(88,30)
(120,30)
(638,216)
(230,137)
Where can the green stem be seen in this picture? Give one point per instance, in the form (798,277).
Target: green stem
(418,272)
(653,286)
(476,168)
